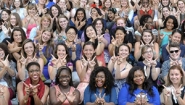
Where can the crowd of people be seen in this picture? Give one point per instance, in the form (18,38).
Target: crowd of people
(92,52)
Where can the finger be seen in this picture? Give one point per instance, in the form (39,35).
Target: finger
(180,86)
(114,53)
(164,86)
(152,41)
(156,58)
(93,58)
(36,86)
(96,96)
(112,37)
(53,56)
(65,57)
(142,42)
(104,95)
(7,57)
(8,42)
(25,84)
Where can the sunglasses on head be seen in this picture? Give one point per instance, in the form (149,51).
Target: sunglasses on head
(176,51)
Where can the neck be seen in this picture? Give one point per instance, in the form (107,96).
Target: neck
(168,30)
(69,42)
(64,87)
(140,87)
(176,85)
(17,8)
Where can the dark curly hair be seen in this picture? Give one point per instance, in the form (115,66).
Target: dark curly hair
(60,69)
(109,80)
(67,52)
(144,19)
(133,86)
(175,22)
(4,47)
(95,22)
(23,34)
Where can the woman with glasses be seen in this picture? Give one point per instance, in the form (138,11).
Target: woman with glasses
(32,91)
(63,93)
(101,88)
(150,65)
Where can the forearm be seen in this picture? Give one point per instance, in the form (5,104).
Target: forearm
(16,56)
(110,65)
(10,71)
(167,100)
(73,55)
(180,101)
(117,72)
(2,72)
(100,48)
(43,57)
(137,54)
(155,73)
(21,72)
(3,101)
(25,100)
(37,101)
(111,49)
(52,74)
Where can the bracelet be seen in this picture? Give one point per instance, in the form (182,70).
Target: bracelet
(40,52)
(69,64)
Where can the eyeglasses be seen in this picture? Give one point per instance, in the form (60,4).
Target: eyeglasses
(32,71)
(148,52)
(176,51)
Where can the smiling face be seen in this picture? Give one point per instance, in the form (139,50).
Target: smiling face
(175,76)
(2,54)
(148,54)
(174,53)
(107,3)
(176,37)
(94,12)
(61,51)
(63,22)
(139,78)
(165,2)
(123,51)
(99,25)
(88,51)
(46,36)
(71,35)
(17,3)
(119,35)
(13,20)
(34,72)
(165,12)
(180,5)
(147,37)
(111,15)
(29,48)
(17,36)
(90,32)
(64,78)
(145,3)
(54,11)
(4,16)
(124,3)
(169,24)
(45,23)
(80,15)
(32,11)
(100,79)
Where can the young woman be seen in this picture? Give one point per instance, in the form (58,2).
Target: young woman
(101,88)
(60,58)
(18,8)
(7,73)
(32,91)
(79,21)
(147,38)
(5,15)
(150,64)
(173,92)
(32,19)
(138,90)
(170,23)
(64,92)
(86,65)
(165,12)
(45,23)
(118,65)
(28,54)
(59,34)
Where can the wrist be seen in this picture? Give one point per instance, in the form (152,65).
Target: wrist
(40,52)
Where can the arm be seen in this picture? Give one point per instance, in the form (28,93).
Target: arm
(16,56)
(10,71)
(41,63)
(77,98)
(52,72)
(87,97)
(156,97)
(111,49)
(155,72)
(43,57)
(137,51)
(44,97)
(113,99)
(122,96)
(2,72)
(181,101)
(22,99)
(167,99)
(81,70)
(122,74)
(100,48)
(110,65)
(53,98)
(21,70)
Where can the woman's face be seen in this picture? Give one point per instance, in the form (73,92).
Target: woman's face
(46,36)
(88,51)
(148,54)
(29,48)
(124,3)
(107,3)
(45,23)
(175,76)
(100,79)
(32,11)
(80,15)
(145,3)
(120,35)
(4,16)
(17,36)
(61,51)
(149,24)
(64,78)
(94,12)
(99,25)
(169,24)
(147,37)
(13,20)
(139,78)
(2,54)
(63,22)
(166,12)
(34,72)
(54,11)
(123,51)
(121,23)
(180,5)
(90,32)
(165,2)
(176,37)
(111,15)
(17,3)
(71,35)
(42,2)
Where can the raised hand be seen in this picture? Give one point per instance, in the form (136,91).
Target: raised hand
(119,60)
(92,63)
(84,62)
(27,89)
(63,60)
(34,89)
(114,41)
(54,61)
(5,62)
(10,45)
(142,44)
(167,91)
(61,96)
(100,38)
(177,91)
(23,60)
(113,58)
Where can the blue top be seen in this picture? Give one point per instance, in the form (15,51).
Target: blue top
(2,36)
(124,95)
(89,96)
(165,54)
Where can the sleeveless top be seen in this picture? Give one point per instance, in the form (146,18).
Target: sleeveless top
(66,102)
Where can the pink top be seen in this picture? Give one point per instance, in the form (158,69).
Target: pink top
(29,28)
